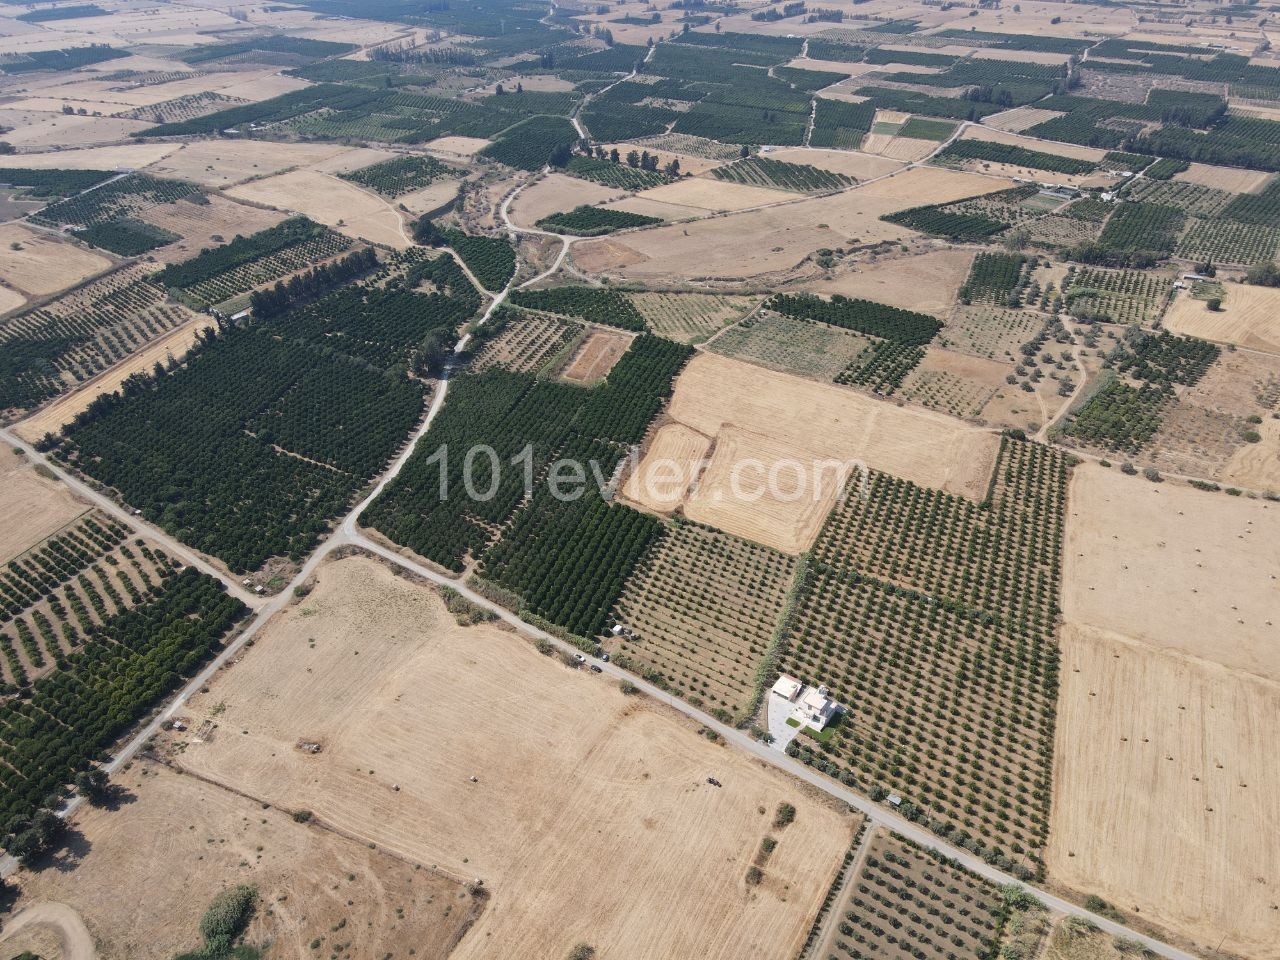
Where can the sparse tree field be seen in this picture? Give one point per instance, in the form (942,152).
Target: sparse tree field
(905,904)
(690,317)
(704,607)
(931,619)
(561,808)
(991,332)
(801,347)
(525,343)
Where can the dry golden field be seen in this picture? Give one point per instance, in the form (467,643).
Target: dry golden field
(586,812)
(1231,179)
(38,264)
(204,225)
(183,841)
(557,192)
(706,193)
(94,158)
(221,163)
(1165,782)
(862,166)
(356,213)
(671,464)
(1175,568)
(925,281)
(33,506)
(1250,317)
(596,356)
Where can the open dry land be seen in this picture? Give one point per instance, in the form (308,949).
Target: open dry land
(777,238)
(1165,785)
(605,832)
(38,264)
(596,356)
(862,166)
(783,445)
(359,214)
(1231,179)
(136,155)
(672,461)
(184,841)
(51,418)
(926,282)
(221,163)
(202,225)
(709,194)
(1175,567)
(690,317)
(34,506)
(557,192)
(1249,317)
(459,146)
(1019,119)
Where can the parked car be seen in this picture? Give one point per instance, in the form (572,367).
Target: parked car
(580,658)
(595,669)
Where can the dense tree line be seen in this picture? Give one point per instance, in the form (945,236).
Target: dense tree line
(215,260)
(314,282)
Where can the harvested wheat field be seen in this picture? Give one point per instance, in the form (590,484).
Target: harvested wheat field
(927,282)
(465,748)
(1250,317)
(1019,119)
(38,264)
(33,506)
(134,155)
(204,225)
(1175,567)
(1257,464)
(10,300)
(714,195)
(755,242)
(765,490)
(557,192)
(1165,781)
(459,146)
(800,438)
(51,418)
(596,356)
(1231,179)
(60,130)
(359,214)
(220,163)
(183,842)
(671,463)
(861,166)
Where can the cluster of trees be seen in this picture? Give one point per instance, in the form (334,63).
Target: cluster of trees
(72,715)
(637,160)
(864,316)
(241,250)
(316,281)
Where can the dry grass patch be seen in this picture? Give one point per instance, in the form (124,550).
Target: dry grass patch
(204,225)
(221,163)
(672,461)
(34,506)
(1019,119)
(1249,317)
(359,214)
(560,793)
(1175,568)
(38,264)
(557,192)
(709,194)
(59,130)
(993,135)
(135,155)
(704,607)
(1165,786)
(863,166)
(183,842)
(792,345)
(925,282)
(596,356)
(459,146)
(1231,179)
(991,332)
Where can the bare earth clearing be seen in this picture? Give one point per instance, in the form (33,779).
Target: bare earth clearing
(1174,567)
(464,747)
(42,264)
(220,163)
(597,355)
(359,214)
(33,506)
(557,192)
(1164,790)
(1250,317)
(183,841)
(926,282)
(1231,179)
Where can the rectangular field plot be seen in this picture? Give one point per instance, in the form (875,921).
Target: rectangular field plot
(930,618)
(1223,241)
(906,903)
(703,607)
(794,177)
(1118,296)
(791,345)
(525,343)
(690,317)
(990,332)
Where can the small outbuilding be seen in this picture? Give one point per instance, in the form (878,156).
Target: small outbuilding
(788,688)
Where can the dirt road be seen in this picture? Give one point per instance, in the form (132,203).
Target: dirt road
(59,918)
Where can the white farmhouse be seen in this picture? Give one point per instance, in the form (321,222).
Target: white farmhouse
(816,708)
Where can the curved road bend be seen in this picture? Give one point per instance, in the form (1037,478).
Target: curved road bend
(347,533)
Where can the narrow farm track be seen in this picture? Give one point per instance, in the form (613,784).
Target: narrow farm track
(347,533)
